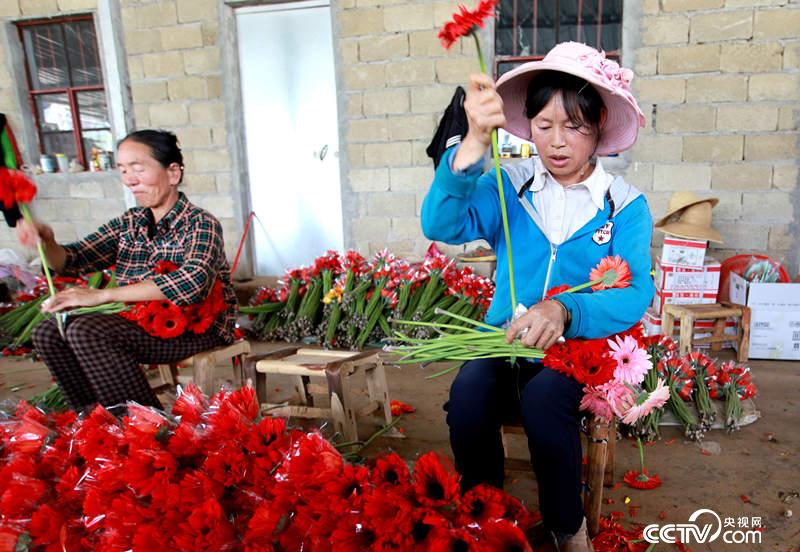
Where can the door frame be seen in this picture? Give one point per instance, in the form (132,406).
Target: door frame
(235,124)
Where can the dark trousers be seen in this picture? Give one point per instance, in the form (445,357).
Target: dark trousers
(487,393)
(100,359)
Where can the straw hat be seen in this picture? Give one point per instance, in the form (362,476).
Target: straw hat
(682,199)
(692,221)
(612,82)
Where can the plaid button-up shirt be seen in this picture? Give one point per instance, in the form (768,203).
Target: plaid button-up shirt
(188,236)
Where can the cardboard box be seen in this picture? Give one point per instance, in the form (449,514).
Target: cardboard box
(775,317)
(683,252)
(662,298)
(652,323)
(682,278)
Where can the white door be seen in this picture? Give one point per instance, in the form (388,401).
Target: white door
(291,130)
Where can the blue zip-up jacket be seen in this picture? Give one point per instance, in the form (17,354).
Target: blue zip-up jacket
(462,207)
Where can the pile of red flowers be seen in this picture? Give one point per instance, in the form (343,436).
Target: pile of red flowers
(216,476)
(345,301)
(167,320)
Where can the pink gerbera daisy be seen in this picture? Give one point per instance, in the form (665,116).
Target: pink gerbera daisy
(633,362)
(594,400)
(619,396)
(645,402)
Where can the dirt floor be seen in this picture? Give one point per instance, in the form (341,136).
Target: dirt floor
(739,475)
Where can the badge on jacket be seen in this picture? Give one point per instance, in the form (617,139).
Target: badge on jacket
(603,234)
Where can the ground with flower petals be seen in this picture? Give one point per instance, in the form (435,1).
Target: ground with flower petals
(739,475)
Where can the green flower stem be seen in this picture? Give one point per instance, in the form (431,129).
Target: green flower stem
(29,219)
(434,325)
(469,321)
(584,286)
(641,452)
(503,210)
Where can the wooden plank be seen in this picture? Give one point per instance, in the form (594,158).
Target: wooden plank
(744,332)
(368,408)
(298,411)
(513,429)
(279,367)
(687,333)
(596,467)
(331,353)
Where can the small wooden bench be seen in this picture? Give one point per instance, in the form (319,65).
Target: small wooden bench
(719,313)
(338,369)
(203,365)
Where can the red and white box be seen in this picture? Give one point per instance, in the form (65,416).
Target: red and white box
(662,298)
(683,252)
(682,278)
(702,328)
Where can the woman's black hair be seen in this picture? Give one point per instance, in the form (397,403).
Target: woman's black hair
(163,146)
(582,102)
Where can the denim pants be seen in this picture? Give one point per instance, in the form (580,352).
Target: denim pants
(489,392)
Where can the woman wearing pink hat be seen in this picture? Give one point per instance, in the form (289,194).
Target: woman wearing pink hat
(565,214)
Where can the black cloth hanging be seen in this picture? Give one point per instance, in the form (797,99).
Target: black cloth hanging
(452,127)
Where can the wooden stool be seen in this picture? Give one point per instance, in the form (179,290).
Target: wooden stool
(203,365)
(601,438)
(338,369)
(717,312)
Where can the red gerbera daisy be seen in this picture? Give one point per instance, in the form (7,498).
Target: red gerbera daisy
(552,292)
(390,470)
(434,484)
(464,21)
(611,272)
(504,536)
(15,187)
(481,504)
(427,527)
(399,408)
(169,325)
(642,480)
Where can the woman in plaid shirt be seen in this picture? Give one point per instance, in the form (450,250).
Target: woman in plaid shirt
(98,358)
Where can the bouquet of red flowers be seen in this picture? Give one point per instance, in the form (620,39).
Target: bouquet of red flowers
(215,475)
(736,384)
(167,320)
(345,301)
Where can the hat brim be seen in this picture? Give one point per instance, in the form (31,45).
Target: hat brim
(691,231)
(623,118)
(677,209)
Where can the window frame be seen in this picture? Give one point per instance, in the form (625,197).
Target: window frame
(70,91)
(506,58)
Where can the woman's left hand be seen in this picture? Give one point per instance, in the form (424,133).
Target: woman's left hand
(75,297)
(544,323)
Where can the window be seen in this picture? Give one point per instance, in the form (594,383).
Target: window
(65,84)
(526,30)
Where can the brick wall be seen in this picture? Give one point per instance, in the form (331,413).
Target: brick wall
(397,79)
(174,73)
(173,50)
(719,83)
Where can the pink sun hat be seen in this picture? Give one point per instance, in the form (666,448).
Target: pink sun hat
(610,80)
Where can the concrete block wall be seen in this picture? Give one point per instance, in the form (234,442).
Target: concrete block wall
(175,79)
(173,52)
(718,80)
(74,204)
(397,79)
(719,83)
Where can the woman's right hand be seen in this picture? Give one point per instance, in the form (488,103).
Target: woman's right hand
(29,234)
(484,108)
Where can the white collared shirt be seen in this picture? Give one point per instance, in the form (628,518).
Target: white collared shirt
(565,209)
